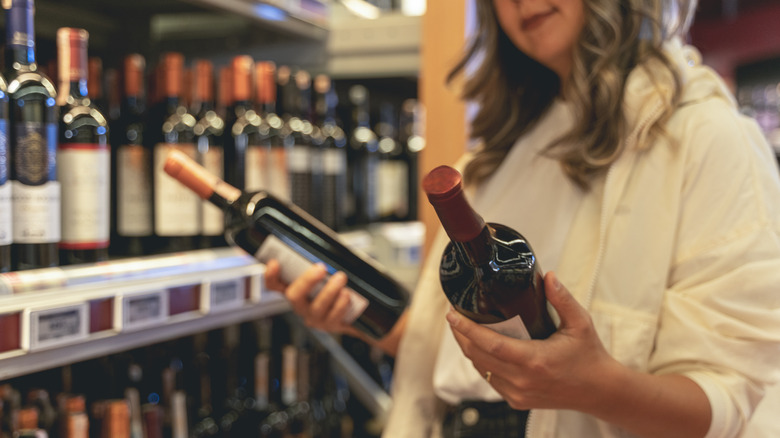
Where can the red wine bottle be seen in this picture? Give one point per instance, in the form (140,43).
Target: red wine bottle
(176,211)
(33,141)
(84,168)
(6,219)
(269,228)
(488,271)
(209,136)
(132,176)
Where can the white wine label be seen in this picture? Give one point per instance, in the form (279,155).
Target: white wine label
(257,165)
(294,265)
(512,327)
(334,162)
(6,221)
(36,212)
(224,295)
(140,310)
(212,218)
(176,208)
(133,191)
(278,174)
(55,327)
(300,159)
(83,173)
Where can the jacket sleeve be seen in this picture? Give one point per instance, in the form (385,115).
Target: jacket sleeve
(720,322)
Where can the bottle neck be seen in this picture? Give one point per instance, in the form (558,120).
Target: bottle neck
(20,37)
(478,250)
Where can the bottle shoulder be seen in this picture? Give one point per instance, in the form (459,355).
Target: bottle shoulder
(24,83)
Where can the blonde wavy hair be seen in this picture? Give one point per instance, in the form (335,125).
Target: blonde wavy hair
(513,91)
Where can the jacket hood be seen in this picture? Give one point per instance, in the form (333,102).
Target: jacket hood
(649,89)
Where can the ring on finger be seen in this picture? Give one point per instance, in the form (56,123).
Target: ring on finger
(488,376)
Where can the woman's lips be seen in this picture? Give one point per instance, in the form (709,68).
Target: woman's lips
(536,20)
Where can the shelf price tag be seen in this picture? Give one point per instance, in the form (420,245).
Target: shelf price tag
(140,310)
(223,295)
(54,327)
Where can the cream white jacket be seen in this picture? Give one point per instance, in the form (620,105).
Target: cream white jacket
(675,253)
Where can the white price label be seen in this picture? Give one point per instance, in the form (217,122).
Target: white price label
(224,295)
(141,310)
(47,328)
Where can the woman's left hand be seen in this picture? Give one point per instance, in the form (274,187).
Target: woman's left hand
(564,371)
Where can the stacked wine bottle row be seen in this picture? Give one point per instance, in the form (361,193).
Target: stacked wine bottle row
(258,379)
(81,175)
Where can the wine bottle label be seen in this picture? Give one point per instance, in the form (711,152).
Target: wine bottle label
(289,375)
(391,187)
(294,265)
(176,208)
(36,217)
(334,162)
(83,173)
(6,236)
(6,227)
(78,425)
(257,168)
(513,327)
(300,159)
(133,192)
(278,174)
(262,379)
(179,414)
(213,220)
(35,153)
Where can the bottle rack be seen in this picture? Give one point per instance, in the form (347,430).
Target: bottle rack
(58,316)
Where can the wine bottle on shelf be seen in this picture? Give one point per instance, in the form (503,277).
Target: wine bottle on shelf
(76,421)
(243,154)
(269,228)
(28,424)
(176,211)
(117,419)
(274,161)
(6,217)
(209,136)
(33,143)
(392,170)
(412,139)
(95,89)
(84,159)
(133,222)
(297,131)
(488,271)
(363,158)
(330,163)
(278,168)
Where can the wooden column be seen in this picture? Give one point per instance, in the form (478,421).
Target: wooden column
(445,128)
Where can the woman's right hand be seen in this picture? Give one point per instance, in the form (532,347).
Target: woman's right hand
(326,311)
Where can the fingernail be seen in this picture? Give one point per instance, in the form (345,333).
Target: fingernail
(453,318)
(556,283)
(340,276)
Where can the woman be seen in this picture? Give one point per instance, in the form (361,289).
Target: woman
(652,203)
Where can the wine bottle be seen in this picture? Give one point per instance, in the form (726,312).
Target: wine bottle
(95,84)
(391,170)
(84,162)
(209,138)
(117,419)
(274,159)
(242,122)
(28,424)
(176,211)
(298,130)
(76,418)
(363,159)
(412,139)
(269,228)
(330,164)
(133,223)
(33,134)
(6,218)
(488,271)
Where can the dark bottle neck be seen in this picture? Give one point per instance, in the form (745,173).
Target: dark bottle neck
(20,36)
(479,250)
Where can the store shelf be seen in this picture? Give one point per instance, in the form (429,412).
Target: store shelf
(58,316)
